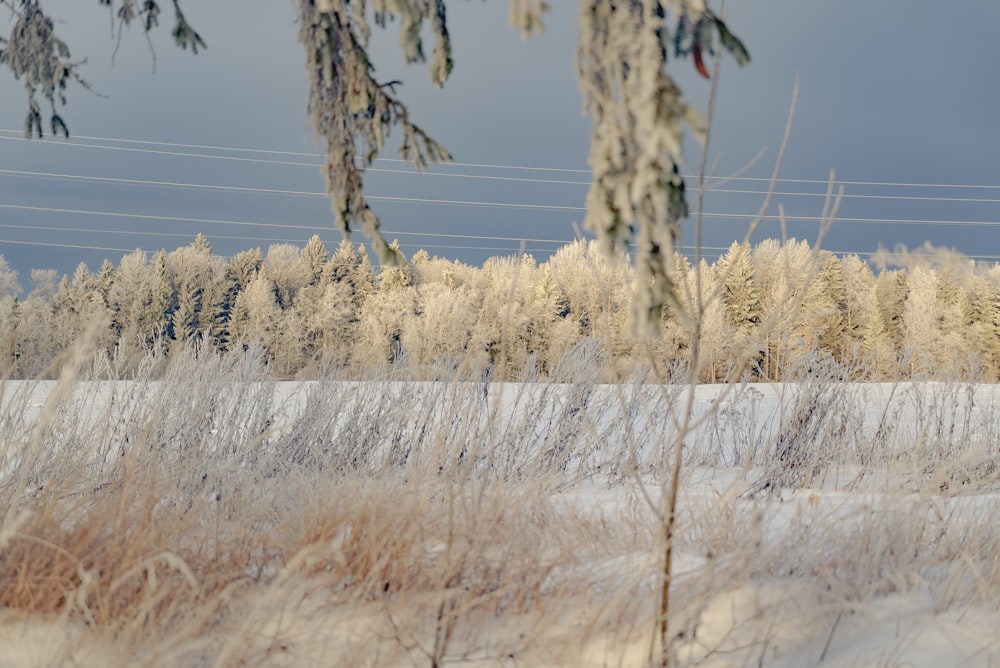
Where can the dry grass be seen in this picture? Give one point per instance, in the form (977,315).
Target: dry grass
(210,518)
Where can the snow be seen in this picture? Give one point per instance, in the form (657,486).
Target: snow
(892,467)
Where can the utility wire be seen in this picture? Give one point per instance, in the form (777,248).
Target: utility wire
(314,165)
(515,167)
(213,237)
(279,191)
(716,250)
(740,216)
(426,200)
(215,221)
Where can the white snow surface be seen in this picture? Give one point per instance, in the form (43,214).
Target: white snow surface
(929,437)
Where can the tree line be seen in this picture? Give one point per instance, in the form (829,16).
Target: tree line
(780,304)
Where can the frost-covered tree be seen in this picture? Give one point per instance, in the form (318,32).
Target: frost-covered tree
(256,315)
(161,296)
(521,318)
(831,307)
(717,341)
(597,291)
(10,314)
(199,291)
(860,302)
(130,297)
(985,327)
(243,268)
(352,266)
(288,267)
(953,320)
(394,277)
(45,283)
(876,345)
(440,327)
(920,320)
(384,314)
(35,347)
(9,287)
(740,294)
(382,318)
(105,281)
(76,303)
(637,194)
(892,290)
(315,255)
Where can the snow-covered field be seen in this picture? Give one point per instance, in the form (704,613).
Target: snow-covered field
(393,523)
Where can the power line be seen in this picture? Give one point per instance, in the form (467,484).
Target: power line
(519,240)
(85,230)
(317,165)
(420,200)
(302,154)
(90,230)
(196,186)
(278,191)
(708,215)
(112,214)
(181,154)
(512,167)
(49,244)
(77,246)
(717,250)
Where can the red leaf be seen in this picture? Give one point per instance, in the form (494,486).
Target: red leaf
(699,63)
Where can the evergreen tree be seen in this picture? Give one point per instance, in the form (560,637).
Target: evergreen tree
(10,316)
(130,298)
(717,343)
(952,320)
(76,303)
(920,322)
(290,270)
(315,256)
(744,310)
(832,299)
(876,343)
(200,245)
(158,318)
(521,323)
(383,316)
(35,349)
(243,268)
(440,327)
(394,276)
(860,301)
(45,284)
(984,328)
(363,276)
(9,287)
(421,270)
(105,281)
(333,325)
(256,314)
(199,293)
(892,290)
(344,262)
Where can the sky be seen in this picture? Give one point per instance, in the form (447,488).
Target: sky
(893,92)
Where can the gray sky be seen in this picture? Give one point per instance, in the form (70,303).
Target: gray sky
(890,92)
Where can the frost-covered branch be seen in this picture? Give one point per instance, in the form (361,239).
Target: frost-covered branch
(41,60)
(351,109)
(637,194)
